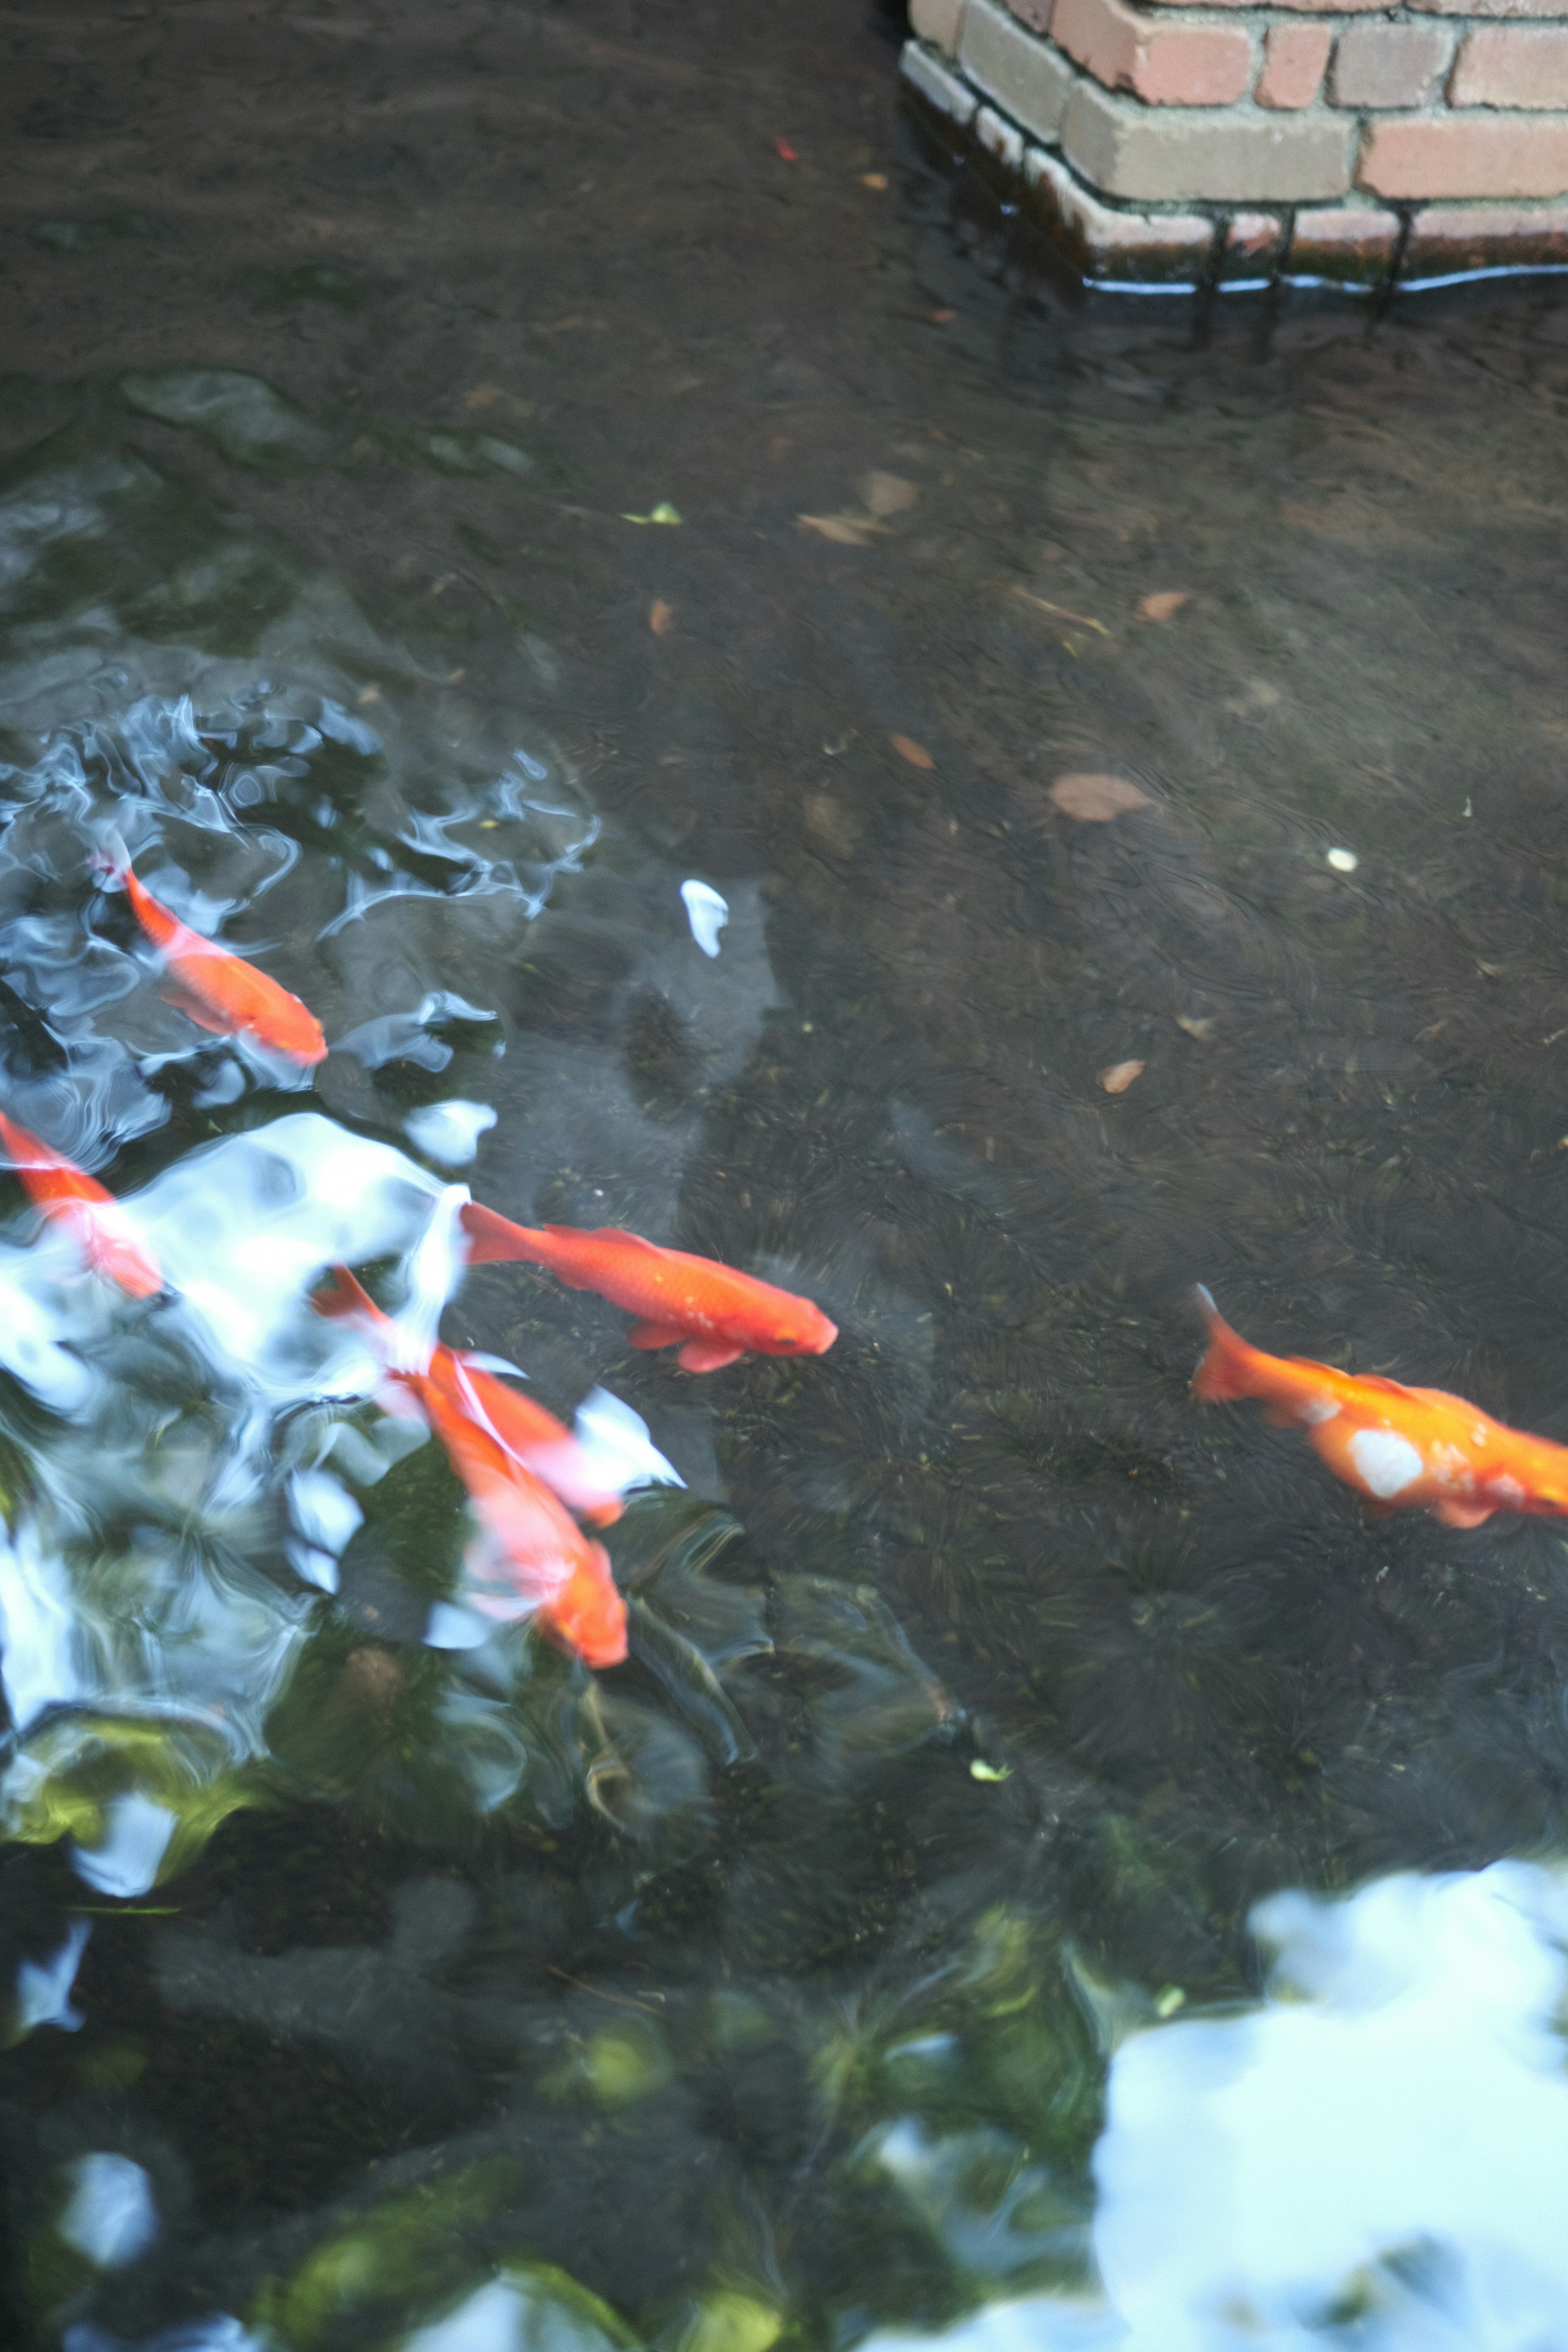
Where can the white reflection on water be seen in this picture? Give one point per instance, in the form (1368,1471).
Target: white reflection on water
(111,2217)
(44,1987)
(221,2332)
(136,1838)
(1377,2153)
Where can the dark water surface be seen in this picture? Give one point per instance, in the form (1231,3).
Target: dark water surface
(765,1988)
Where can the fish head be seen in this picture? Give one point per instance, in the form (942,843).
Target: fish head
(588,1616)
(802,1329)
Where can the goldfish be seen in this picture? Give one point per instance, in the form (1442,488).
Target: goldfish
(524,1428)
(219,990)
(68,1196)
(713,1314)
(542,1551)
(1398,1447)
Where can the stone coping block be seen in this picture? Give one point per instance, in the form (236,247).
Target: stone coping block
(1102,242)
(944,91)
(1456,240)
(1171,154)
(938,22)
(1344,245)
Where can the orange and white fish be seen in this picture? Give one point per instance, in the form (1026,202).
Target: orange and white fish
(218,989)
(525,1429)
(68,1196)
(1399,1448)
(558,1572)
(712,1313)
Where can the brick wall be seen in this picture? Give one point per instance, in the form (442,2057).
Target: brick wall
(1328,138)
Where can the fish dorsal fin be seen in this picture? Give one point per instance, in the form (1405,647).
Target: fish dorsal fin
(1446,1396)
(603,1233)
(1362,1379)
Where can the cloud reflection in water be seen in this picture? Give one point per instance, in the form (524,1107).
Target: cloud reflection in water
(1377,2153)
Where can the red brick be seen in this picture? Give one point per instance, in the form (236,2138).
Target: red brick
(1511,65)
(1466,155)
(1294,56)
(1165,64)
(1389,65)
(1483,7)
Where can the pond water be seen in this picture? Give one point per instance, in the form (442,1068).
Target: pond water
(1052,1869)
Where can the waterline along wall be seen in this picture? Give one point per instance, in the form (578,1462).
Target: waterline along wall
(1231,144)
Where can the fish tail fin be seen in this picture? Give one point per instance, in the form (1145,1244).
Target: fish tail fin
(1227,1372)
(493,1239)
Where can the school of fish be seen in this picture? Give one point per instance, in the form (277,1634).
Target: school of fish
(531,1488)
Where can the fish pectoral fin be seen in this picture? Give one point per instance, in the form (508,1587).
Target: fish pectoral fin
(707,1355)
(653,1335)
(186,1000)
(1282,1416)
(1378,1510)
(1462,1514)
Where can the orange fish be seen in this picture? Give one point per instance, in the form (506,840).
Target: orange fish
(65,1194)
(546,1556)
(711,1312)
(1398,1447)
(219,990)
(537,1440)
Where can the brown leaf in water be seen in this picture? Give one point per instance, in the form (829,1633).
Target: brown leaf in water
(844,530)
(1166,600)
(1118,1076)
(915,753)
(1095,800)
(888,494)
(873,180)
(483,395)
(660,618)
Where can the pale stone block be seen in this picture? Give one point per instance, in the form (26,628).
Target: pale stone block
(1027,76)
(1000,137)
(1173,155)
(935,84)
(939,22)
